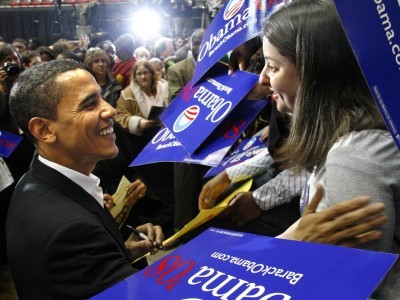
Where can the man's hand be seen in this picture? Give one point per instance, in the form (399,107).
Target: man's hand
(349,223)
(243,209)
(108,201)
(135,191)
(138,247)
(212,190)
(241,55)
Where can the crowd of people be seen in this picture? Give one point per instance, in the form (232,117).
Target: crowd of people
(82,110)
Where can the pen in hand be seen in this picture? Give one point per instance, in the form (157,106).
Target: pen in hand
(145,237)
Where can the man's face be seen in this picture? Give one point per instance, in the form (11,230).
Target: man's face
(169,49)
(84,126)
(195,45)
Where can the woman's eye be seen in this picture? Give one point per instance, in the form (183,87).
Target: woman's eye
(273,69)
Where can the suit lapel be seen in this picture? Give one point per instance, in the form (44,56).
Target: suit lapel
(79,195)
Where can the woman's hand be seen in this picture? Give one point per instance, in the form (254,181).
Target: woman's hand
(144,123)
(135,191)
(212,190)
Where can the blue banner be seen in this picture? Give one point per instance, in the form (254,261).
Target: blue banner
(237,22)
(8,142)
(164,147)
(245,150)
(196,112)
(371,27)
(222,264)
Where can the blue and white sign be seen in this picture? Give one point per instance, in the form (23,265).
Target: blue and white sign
(237,22)
(164,147)
(196,112)
(242,152)
(8,142)
(222,264)
(373,29)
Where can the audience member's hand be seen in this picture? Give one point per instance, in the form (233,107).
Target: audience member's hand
(84,41)
(145,124)
(108,201)
(241,55)
(212,190)
(3,82)
(264,133)
(244,209)
(348,223)
(138,247)
(135,191)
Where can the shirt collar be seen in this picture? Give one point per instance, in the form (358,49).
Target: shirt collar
(89,183)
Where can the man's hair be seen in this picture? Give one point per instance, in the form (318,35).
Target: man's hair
(333,98)
(126,42)
(37,92)
(6,50)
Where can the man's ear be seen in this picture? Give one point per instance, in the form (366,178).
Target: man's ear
(40,128)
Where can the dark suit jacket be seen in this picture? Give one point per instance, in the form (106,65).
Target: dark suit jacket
(62,244)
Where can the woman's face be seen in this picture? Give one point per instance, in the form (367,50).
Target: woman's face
(143,77)
(99,65)
(280,73)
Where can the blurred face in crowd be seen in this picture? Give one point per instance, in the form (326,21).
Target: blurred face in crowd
(110,50)
(195,43)
(169,49)
(143,77)
(142,53)
(99,65)
(83,129)
(19,46)
(33,61)
(179,42)
(281,74)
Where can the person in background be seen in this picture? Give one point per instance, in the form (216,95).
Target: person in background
(46,54)
(19,44)
(164,47)
(109,48)
(15,165)
(30,58)
(188,178)
(133,107)
(121,70)
(68,55)
(158,66)
(57,210)
(97,60)
(34,43)
(141,53)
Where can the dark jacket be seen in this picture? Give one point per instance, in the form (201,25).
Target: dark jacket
(62,244)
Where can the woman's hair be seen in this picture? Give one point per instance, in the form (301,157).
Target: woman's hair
(93,54)
(333,97)
(153,75)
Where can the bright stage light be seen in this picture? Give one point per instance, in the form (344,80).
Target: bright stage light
(146,23)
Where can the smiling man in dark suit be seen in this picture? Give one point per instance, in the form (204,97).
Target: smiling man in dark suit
(62,242)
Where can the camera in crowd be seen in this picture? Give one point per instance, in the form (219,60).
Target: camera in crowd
(11,69)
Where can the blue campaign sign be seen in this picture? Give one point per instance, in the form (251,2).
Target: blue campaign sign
(164,147)
(371,27)
(235,265)
(8,143)
(196,112)
(242,152)
(237,22)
